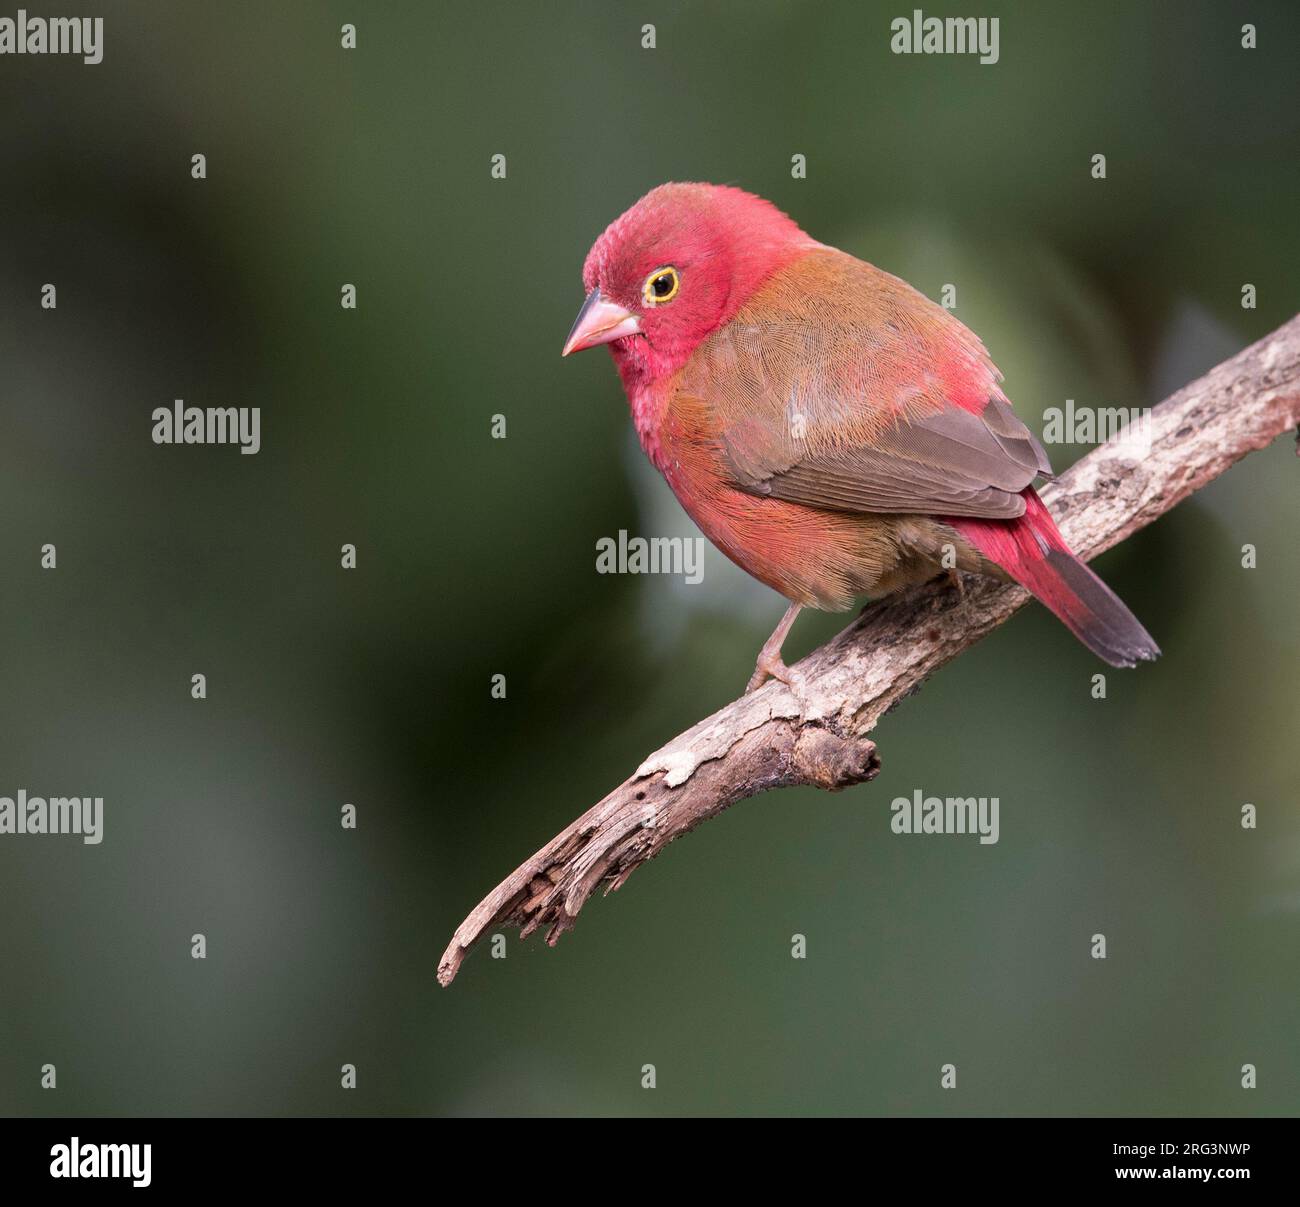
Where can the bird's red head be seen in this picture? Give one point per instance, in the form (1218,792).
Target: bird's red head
(674,268)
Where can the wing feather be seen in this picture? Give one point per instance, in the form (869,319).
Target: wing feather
(840,387)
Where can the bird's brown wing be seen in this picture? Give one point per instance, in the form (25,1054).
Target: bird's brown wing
(840,387)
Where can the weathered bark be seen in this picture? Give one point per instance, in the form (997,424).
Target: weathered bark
(770,739)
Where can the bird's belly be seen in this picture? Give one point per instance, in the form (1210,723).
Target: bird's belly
(820,559)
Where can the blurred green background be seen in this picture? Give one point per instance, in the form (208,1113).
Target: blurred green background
(476,557)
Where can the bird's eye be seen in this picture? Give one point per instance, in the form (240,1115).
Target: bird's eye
(661,286)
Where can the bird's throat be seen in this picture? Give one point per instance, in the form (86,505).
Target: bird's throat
(647,401)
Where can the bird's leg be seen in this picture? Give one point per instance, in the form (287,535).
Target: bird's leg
(769,664)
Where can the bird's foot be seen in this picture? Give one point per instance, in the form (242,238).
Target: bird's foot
(771,667)
(955,578)
(769,664)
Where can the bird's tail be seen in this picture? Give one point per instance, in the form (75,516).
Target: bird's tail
(1032,551)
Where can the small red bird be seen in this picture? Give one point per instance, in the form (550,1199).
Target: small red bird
(831,430)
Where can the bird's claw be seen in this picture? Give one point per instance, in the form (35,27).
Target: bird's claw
(774,668)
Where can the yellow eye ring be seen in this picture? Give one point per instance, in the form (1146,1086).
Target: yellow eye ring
(661,286)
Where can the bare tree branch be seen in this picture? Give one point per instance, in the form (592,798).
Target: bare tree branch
(770,740)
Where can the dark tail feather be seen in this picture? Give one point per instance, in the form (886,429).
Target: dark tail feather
(1031,550)
(1087,607)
